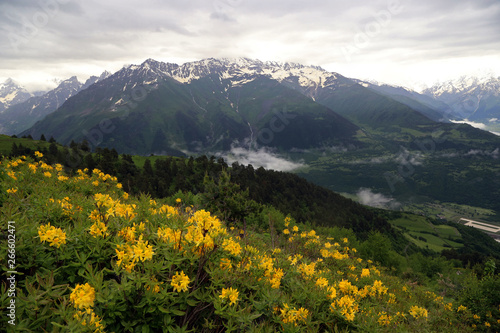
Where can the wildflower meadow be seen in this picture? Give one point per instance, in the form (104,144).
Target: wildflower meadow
(91,258)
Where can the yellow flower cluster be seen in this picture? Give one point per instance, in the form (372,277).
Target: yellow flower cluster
(307,270)
(89,319)
(99,229)
(365,272)
(225,264)
(200,231)
(55,236)
(102,176)
(180,281)
(384,319)
(83,296)
(231,294)
(322,282)
(293,260)
(167,210)
(291,315)
(128,255)
(114,208)
(347,306)
(346,287)
(418,312)
(231,246)
(170,236)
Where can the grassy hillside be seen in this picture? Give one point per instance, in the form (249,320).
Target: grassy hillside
(6,143)
(91,258)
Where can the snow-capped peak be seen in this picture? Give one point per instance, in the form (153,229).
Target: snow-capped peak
(237,71)
(12,93)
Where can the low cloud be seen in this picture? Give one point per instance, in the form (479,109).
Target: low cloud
(369,198)
(494,153)
(262,157)
(472,123)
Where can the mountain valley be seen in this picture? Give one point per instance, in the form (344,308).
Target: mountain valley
(344,134)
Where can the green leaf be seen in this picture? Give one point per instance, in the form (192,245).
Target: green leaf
(191,302)
(162,309)
(178,312)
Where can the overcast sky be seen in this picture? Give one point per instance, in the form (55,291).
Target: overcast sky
(393,41)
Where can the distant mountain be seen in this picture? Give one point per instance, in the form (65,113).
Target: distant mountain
(23,115)
(471,98)
(427,105)
(349,134)
(210,104)
(12,93)
(201,106)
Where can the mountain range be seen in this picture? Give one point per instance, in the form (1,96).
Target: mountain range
(347,134)
(226,101)
(24,109)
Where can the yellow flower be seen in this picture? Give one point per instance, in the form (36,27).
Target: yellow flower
(178,200)
(332,292)
(232,247)
(38,154)
(487,324)
(347,306)
(225,263)
(365,272)
(418,312)
(307,270)
(83,296)
(295,228)
(461,308)
(62,178)
(180,281)
(231,294)
(286,231)
(12,190)
(32,167)
(322,282)
(95,183)
(289,315)
(99,229)
(384,319)
(12,175)
(142,250)
(90,319)
(119,185)
(47,174)
(346,287)
(55,236)
(287,221)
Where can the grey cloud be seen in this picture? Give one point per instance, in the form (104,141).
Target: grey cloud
(310,32)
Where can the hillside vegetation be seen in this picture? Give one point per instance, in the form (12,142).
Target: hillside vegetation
(91,257)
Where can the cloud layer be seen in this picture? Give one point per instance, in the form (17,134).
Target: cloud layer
(387,40)
(262,157)
(369,198)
